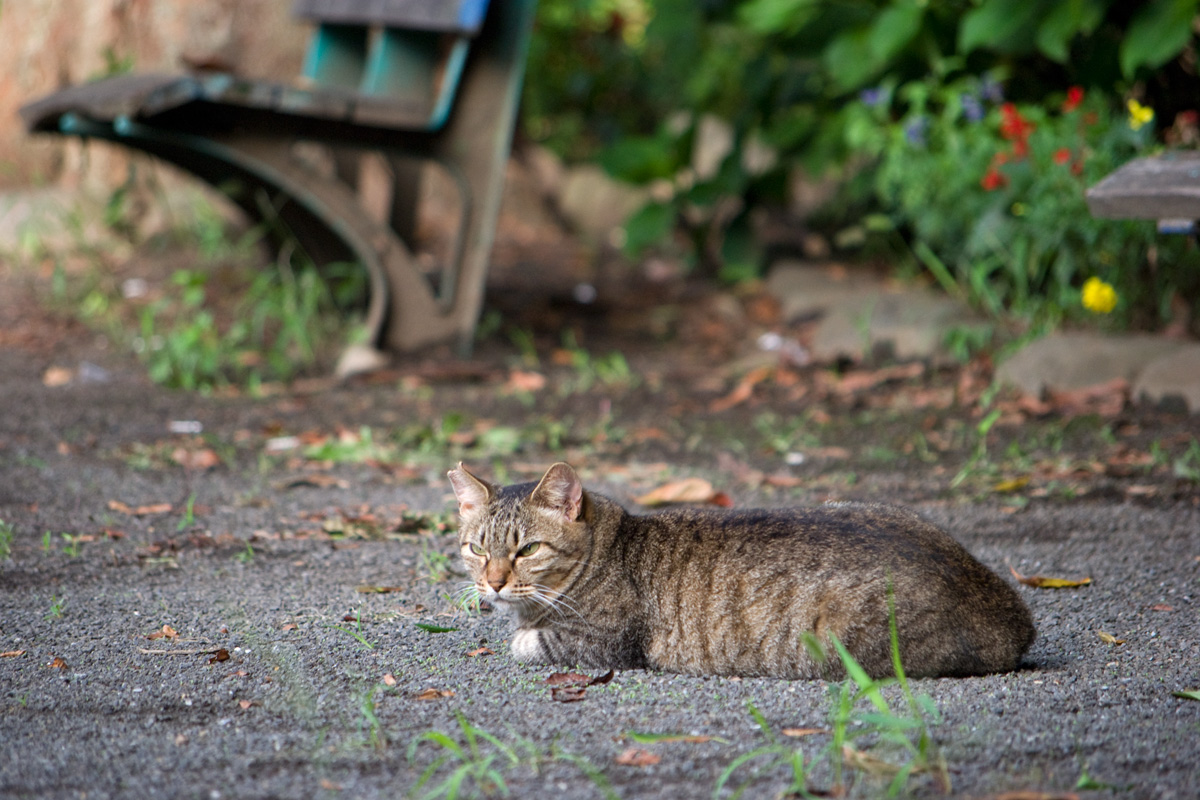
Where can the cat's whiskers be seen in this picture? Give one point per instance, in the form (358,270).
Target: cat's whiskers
(557,602)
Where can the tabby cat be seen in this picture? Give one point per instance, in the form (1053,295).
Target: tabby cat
(719,592)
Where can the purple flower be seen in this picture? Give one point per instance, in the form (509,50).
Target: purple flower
(871,97)
(972,108)
(914,130)
(991,90)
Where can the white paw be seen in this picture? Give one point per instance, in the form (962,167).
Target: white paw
(525,645)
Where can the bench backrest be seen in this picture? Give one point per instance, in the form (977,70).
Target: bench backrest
(407,52)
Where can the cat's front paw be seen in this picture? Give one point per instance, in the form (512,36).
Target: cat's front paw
(526,646)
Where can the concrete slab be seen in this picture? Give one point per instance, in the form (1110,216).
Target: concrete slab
(1066,361)
(1175,374)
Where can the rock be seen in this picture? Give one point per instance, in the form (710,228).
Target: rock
(596,204)
(359,358)
(1066,361)
(1175,374)
(860,314)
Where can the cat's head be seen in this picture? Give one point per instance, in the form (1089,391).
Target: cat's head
(522,544)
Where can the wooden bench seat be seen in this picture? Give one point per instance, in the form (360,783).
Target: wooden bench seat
(1165,188)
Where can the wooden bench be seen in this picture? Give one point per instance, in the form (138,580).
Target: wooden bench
(1165,188)
(413,80)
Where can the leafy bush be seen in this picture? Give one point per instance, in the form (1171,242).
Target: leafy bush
(637,77)
(990,195)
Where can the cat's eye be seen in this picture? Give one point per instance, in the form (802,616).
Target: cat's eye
(529,549)
(477,549)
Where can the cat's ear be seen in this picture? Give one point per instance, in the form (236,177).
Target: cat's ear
(561,492)
(472,493)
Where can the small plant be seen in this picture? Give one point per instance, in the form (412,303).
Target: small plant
(1187,466)
(979,454)
(356,632)
(245,556)
(375,736)
(56,607)
(437,565)
(189,516)
(475,768)
(6,539)
(71,546)
(907,733)
(47,542)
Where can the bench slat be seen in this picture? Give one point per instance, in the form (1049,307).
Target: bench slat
(463,17)
(1160,187)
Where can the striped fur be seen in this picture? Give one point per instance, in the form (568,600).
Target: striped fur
(707,591)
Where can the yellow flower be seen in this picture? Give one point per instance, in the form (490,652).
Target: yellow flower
(1099,296)
(1139,114)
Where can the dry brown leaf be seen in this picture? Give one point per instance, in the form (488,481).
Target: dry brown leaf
(522,381)
(204,458)
(139,511)
(221,655)
(803,731)
(389,679)
(291,626)
(869,379)
(329,785)
(687,490)
(245,704)
(57,376)
(12,654)
(743,391)
(874,765)
(57,663)
(113,533)
(1108,638)
(368,589)
(481,651)
(1044,582)
(568,694)
(782,480)
(1105,399)
(568,679)
(434,694)
(637,757)
(1161,607)
(167,632)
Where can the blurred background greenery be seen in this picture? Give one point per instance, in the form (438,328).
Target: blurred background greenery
(954,137)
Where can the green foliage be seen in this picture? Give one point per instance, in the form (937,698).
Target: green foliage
(7,532)
(990,196)
(785,75)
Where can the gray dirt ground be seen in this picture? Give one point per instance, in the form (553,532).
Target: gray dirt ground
(321,693)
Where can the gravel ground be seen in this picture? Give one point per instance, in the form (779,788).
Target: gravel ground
(283,680)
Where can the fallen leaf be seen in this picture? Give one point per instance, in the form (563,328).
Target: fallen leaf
(12,653)
(1011,485)
(291,626)
(389,679)
(57,376)
(861,380)
(1161,607)
(1043,582)
(57,663)
(221,655)
(1109,638)
(522,381)
(874,765)
(113,533)
(1188,694)
(568,679)
(245,704)
(482,651)
(167,632)
(368,589)
(603,679)
(139,511)
(803,731)
(180,739)
(637,757)
(315,480)
(433,694)
(781,480)
(568,694)
(743,391)
(204,458)
(655,738)
(687,490)
(329,785)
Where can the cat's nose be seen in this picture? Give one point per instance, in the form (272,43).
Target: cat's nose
(497,584)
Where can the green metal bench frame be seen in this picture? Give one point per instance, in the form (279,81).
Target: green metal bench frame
(413,80)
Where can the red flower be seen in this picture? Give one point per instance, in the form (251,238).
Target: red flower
(1062,155)
(993,179)
(1074,98)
